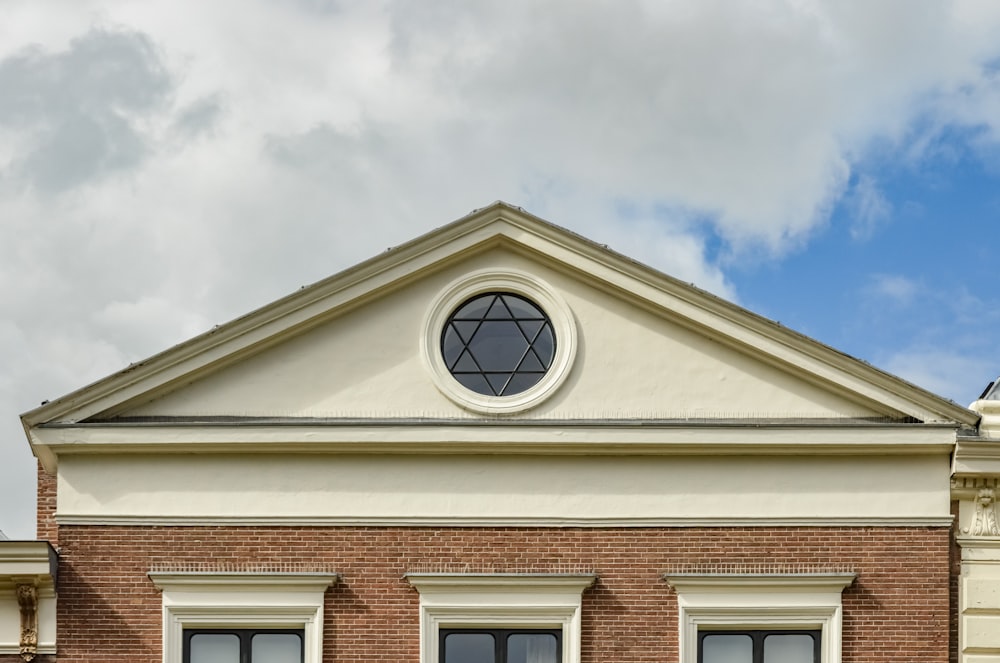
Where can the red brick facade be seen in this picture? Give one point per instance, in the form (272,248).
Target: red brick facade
(45,507)
(896,610)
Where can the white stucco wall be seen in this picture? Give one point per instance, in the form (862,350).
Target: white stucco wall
(493,489)
(630,363)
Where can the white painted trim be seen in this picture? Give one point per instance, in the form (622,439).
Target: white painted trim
(28,558)
(16,649)
(596,523)
(535,437)
(516,282)
(765,601)
(458,600)
(242,600)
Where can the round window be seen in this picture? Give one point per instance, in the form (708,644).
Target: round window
(498,344)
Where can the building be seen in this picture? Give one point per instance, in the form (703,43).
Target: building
(501,441)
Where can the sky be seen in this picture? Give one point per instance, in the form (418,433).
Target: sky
(166,166)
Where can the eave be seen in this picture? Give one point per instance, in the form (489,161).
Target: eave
(580,437)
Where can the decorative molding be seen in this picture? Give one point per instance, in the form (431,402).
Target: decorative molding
(537,600)
(984,522)
(27,602)
(443,521)
(496,435)
(760,600)
(208,598)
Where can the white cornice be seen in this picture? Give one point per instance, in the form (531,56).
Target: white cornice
(526,583)
(977,456)
(27,559)
(525,438)
(735,583)
(490,522)
(490,226)
(204,581)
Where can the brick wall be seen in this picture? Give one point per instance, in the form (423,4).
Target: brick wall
(45,508)
(897,610)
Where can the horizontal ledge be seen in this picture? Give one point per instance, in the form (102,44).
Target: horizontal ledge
(225,421)
(516,582)
(693,582)
(249,580)
(466,521)
(35,559)
(16,649)
(466,438)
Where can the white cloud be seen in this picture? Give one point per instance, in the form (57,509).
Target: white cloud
(262,145)
(868,208)
(900,290)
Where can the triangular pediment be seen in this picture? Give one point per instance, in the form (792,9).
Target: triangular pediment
(360,346)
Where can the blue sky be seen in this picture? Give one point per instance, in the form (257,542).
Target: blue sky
(169,165)
(919,282)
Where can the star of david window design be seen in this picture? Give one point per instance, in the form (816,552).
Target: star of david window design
(498,344)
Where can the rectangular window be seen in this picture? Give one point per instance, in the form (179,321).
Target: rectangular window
(759,646)
(243,646)
(500,645)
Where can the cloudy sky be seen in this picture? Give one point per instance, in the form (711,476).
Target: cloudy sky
(168,165)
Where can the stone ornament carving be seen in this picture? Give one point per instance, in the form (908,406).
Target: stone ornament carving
(27,600)
(984,522)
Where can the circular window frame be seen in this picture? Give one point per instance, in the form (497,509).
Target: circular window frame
(518,283)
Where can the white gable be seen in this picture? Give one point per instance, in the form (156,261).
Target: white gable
(631,362)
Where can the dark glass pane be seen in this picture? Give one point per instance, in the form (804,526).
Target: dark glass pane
(531,364)
(476,309)
(522,382)
(725,648)
(498,311)
(498,330)
(789,648)
(466,364)
(276,648)
(498,346)
(545,345)
(531,328)
(522,308)
(531,648)
(466,329)
(215,648)
(497,382)
(474,382)
(451,345)
(469,648)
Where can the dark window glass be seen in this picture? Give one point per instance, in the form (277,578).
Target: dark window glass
(214,648)
(727,648)
(470,648)
(759,646)
(498,344)
(242,646)
(788,648)
(501,646)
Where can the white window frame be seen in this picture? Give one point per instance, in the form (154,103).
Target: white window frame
(201,600)
(461,600)
(760,601)
(519,283)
